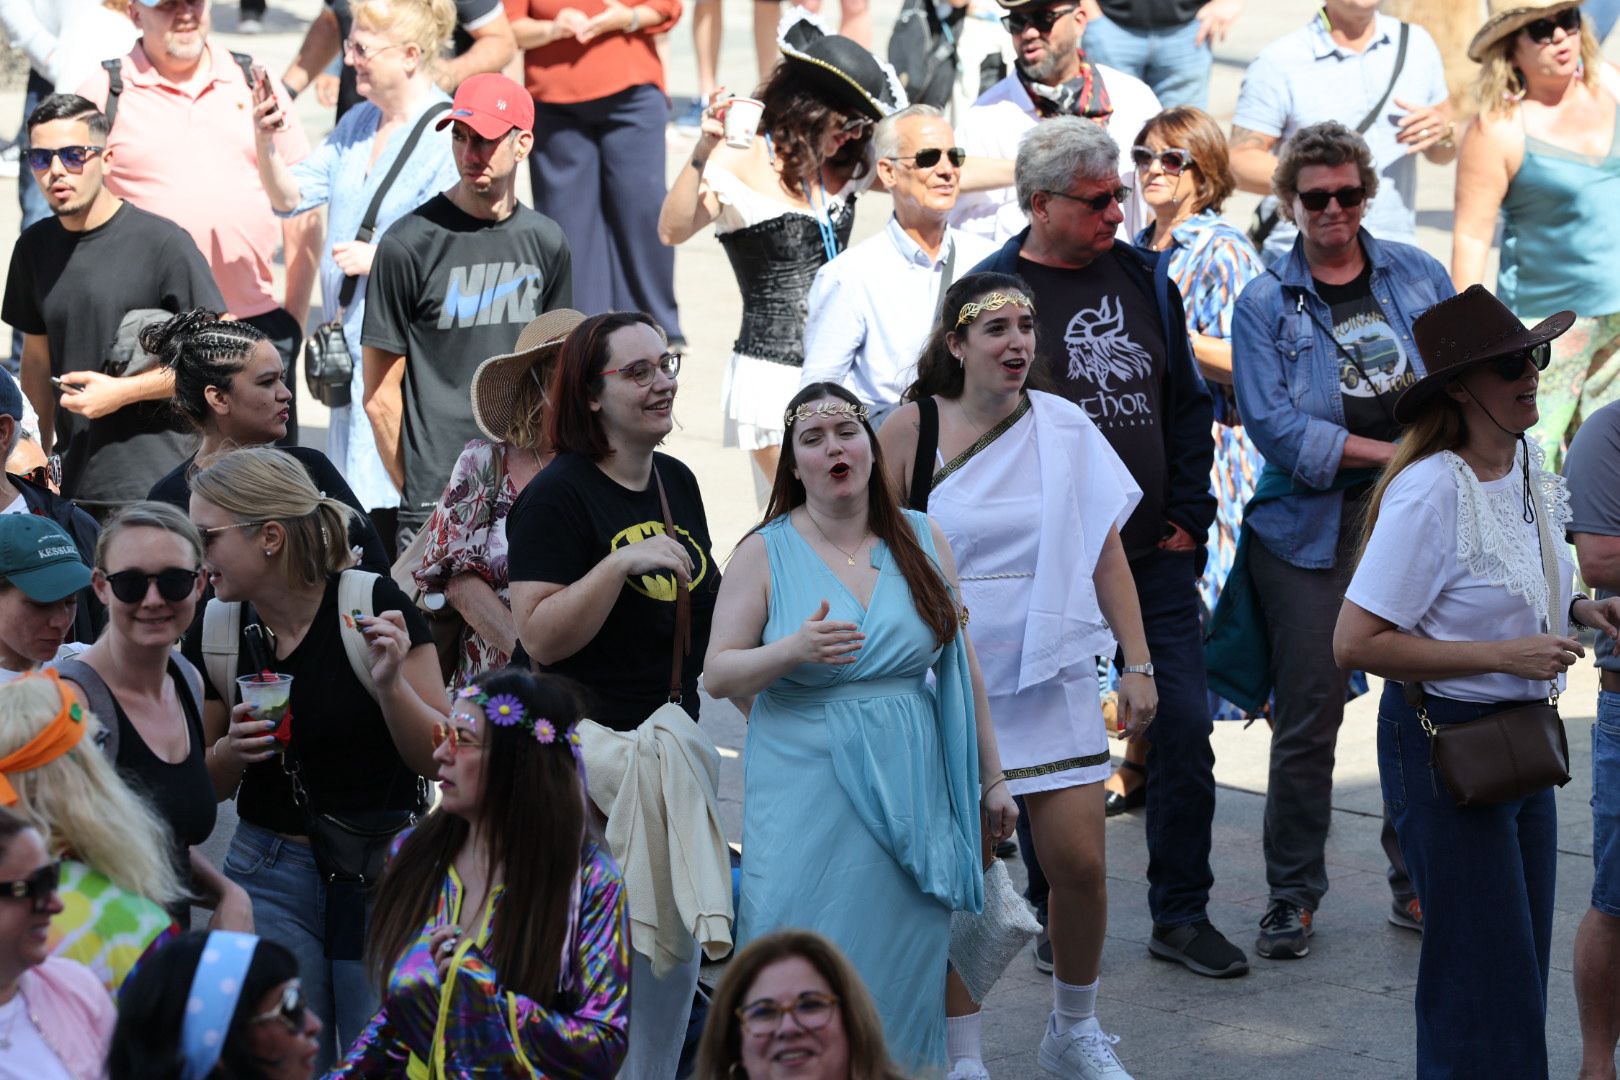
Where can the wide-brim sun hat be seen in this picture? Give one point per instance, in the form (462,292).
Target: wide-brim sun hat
(850,74)
(1508,17)
(1464,331)
(495,383)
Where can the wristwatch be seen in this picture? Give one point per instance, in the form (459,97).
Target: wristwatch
(1573,621)
(1138,669)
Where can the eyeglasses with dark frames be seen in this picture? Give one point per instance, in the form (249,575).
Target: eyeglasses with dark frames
(1096,203)
(928,158)
(37,888)
(47,475)
(641,371)
(74,158)
(173,584)
(290,1011)
(1173,160)
(810,1011)
(1541,30)
(1348,198)
(1042,20)
(1510,368)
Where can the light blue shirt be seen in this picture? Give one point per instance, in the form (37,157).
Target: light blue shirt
(871,310)
(1305,77)
(339,175)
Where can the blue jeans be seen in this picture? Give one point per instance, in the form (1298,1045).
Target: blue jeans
(1165,58)
(1485,877)
(289,908)
(1181,793)
(1606,805)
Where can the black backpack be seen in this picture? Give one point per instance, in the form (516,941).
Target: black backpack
(923,51)
(115,80)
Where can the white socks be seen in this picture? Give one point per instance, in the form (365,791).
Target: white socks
(962,1038)
(1072,1004)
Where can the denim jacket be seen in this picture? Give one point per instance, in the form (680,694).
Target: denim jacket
(1286,373)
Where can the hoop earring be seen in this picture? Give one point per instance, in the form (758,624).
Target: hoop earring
(1515,94)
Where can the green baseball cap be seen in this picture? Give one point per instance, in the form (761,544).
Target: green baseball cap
(40,559)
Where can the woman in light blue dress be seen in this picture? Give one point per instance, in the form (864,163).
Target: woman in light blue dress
(864,784)
(392,47)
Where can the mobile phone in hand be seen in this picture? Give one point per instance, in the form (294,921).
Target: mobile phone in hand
(65,387)
(262,91)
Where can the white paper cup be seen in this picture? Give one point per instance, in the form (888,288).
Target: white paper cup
(742,120)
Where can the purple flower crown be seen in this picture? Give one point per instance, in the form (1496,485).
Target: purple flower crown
(506,710)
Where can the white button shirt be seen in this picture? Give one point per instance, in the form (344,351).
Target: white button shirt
(871,310)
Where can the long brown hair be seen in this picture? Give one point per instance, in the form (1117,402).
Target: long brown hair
(532,814)
(1439,427)
(721,1049)
(883,516)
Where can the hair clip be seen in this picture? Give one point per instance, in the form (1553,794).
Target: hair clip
(835,407)
(993,302)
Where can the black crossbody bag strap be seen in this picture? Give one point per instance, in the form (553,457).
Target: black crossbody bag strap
(922,467)
(368,224)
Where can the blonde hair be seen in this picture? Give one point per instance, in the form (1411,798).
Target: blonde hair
(1440,426)
(80,805)
(1500,85)
(427,24)
(527,428)
(148,515)
(261,484)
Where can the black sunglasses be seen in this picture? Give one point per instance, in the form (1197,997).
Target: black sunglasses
(1541,31)
(173,584)
(1510,368)
(1347,197)
(49,474)
(37,887)
(1042,20)
(289,1011)
(927,159)
(1097,203)
(1173,160)
(73,157)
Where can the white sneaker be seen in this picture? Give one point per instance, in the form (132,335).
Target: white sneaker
(969,1069)
(1083,1052)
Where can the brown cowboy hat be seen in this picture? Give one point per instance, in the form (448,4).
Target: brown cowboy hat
(1460,333)
(1508,17)
(494,384)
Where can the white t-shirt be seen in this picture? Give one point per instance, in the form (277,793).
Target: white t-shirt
(29,1057)
(1452,559)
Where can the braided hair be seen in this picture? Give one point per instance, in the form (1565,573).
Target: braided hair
(202,350)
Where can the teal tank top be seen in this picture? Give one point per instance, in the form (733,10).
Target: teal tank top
(1561,232)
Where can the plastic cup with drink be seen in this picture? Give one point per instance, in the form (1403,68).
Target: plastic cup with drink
(266,695)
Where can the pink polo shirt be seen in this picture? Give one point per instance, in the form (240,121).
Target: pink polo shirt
(187,153)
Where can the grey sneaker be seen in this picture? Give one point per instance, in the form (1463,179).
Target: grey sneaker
(1407,914)
(1043,953)
(1285,932)
(1200,948)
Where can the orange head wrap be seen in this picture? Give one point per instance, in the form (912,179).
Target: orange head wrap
(60,735)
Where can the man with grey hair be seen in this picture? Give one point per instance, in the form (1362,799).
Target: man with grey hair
(871,308)
(1114,339)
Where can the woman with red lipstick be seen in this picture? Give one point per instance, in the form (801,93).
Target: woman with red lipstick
(866,784)
(228,385)
(1543,156)
(963,446)
(55,1019)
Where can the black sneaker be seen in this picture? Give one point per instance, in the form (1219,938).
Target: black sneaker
(1285,932)
(1200,948)
(1043,953)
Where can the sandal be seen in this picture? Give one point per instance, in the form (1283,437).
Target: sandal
(1114,803)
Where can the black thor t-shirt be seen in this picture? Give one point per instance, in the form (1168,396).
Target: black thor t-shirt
(571,517)
(75,288)
(448,291)
(338,731)
(1100,340)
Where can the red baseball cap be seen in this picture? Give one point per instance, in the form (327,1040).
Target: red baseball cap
(491,105)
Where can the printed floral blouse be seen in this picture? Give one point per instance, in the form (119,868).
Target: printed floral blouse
(465,537)
(472,1026)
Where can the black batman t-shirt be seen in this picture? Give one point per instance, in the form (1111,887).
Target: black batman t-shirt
(572,516)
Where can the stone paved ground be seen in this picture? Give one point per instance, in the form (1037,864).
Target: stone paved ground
(1345,1011)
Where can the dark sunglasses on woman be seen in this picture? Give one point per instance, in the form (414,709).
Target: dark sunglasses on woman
(1511,367)
(37,888)
(1346,197)
(1172,160)
(927,159)
(173,584)
(289,1011)
(1042,21)
(1541,31)
(73,158)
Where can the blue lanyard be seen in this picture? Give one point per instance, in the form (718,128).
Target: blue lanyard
(829,235)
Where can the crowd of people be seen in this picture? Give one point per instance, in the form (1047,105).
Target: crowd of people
(1057,454)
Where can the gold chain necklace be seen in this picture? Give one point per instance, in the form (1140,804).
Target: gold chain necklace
(848,555)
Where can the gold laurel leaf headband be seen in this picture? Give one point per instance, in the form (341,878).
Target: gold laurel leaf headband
(994,302)
(824,408)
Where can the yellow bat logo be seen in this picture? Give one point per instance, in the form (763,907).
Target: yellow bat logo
(661,586)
